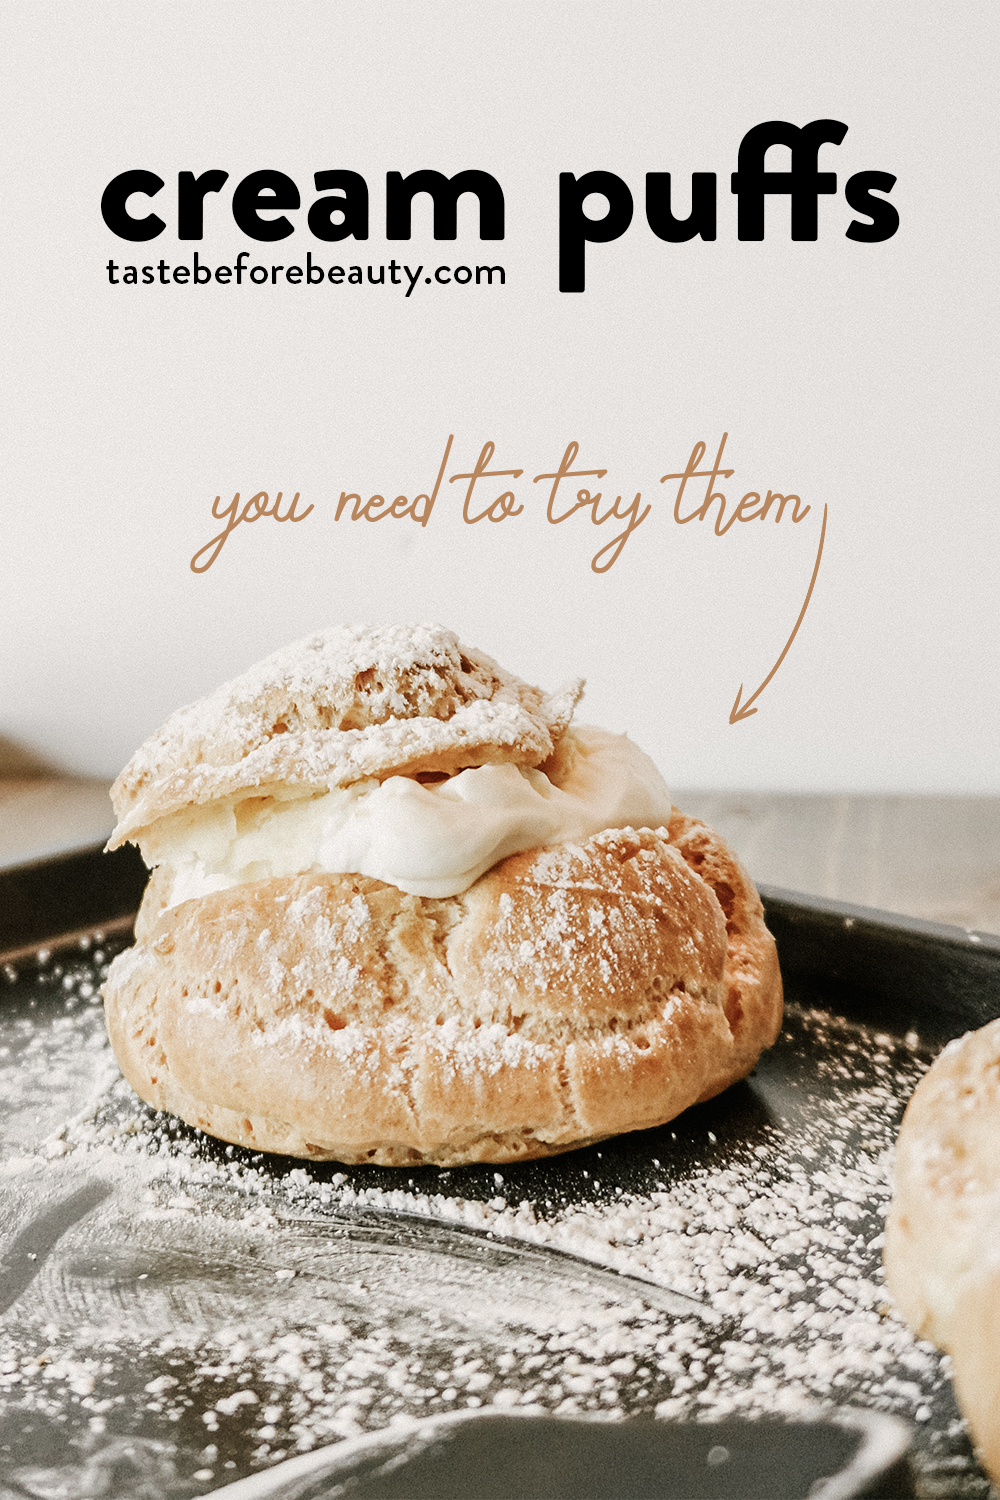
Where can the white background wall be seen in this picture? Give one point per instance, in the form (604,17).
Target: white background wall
(863,377)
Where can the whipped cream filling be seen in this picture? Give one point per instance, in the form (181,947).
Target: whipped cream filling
(429,838)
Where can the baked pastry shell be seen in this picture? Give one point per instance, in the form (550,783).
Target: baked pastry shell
(572,993)
(942,1247)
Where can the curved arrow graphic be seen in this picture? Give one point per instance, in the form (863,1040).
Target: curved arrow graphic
(737,712)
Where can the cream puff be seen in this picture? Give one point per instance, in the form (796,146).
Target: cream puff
(403,911)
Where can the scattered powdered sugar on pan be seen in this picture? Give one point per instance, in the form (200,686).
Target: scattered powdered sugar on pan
(176,1313)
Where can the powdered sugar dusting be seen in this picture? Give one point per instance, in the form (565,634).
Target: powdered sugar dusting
(488,1049)
(214,1312)
(346,703)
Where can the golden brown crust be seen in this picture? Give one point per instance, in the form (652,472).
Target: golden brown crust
(570,994)
(942,1259)
(348,703)
(754,996)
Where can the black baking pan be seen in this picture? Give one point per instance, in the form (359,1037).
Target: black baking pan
(163,1297)
(524,1456)
(52,898)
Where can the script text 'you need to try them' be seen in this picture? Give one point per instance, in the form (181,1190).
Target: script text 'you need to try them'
(483,501)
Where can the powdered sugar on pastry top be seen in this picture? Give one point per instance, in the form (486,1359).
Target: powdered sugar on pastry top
(348,703)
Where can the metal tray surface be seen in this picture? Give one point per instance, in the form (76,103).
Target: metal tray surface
(177,1315)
